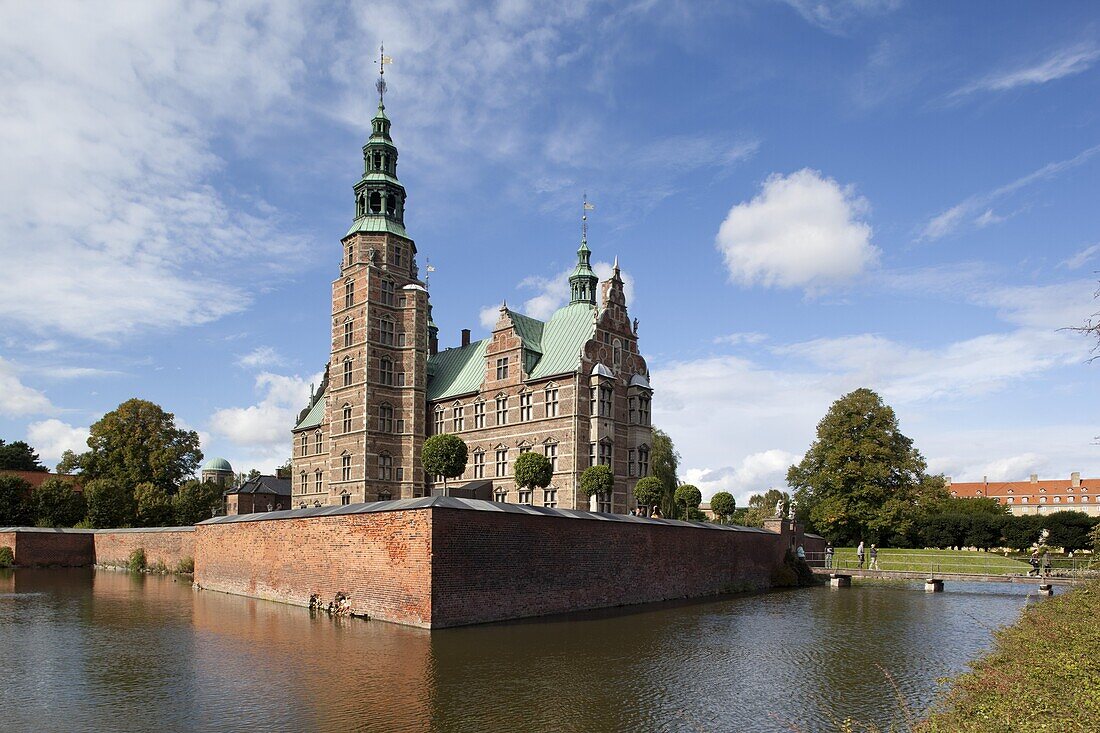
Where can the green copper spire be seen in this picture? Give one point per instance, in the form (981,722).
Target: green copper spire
(379,195)
(583,281)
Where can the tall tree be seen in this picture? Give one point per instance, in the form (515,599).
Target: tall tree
(138,442)
(444,455)
(56,504)
(861,477)
(152,506)
(110,503)
(19,456)
(664,460)
(762,506)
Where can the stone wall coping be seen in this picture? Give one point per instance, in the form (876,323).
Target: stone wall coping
(478,505)
(73,530)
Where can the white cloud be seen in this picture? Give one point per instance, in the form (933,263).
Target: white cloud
(1080,259)
(262,357)
(1062,63)
(52,437)
(986,218)
(755,474)
(552,293)
(262,431)
(802,230)
(18,399)
(949,220)
(107,209)
(835,16)
(746,337)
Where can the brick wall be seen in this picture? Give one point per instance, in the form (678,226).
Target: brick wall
(166,545)
(381,560)
(35,546)
(489,566)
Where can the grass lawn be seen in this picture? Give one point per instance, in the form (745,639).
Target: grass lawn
(944,561)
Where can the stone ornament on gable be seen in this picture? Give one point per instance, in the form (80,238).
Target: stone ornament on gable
(779,508)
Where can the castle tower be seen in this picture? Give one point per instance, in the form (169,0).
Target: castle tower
(375,399)
(583,281)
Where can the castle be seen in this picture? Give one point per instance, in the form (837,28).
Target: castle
(574,387)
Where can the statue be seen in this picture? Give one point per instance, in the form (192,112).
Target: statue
(779,508)
(635,326)
(790,510)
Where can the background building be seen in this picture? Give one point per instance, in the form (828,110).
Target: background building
(259,494)
(218,471)
(1036,497)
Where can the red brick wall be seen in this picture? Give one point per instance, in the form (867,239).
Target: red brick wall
(382,561)
(49,546)
(113,546)
(491,566)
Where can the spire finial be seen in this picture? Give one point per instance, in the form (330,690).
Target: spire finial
(585,208)
(380,85)
(615,267)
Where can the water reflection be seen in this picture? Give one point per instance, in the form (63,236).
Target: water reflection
(109,650)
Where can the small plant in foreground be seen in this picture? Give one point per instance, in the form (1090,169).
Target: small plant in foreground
(137,560)
(7,557)
(186,566)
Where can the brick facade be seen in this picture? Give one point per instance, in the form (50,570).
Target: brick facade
(164,545)
(36,546)
(82,547)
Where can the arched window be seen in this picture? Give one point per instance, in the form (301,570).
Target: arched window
(375,203)
(617,353)
(345,466)
(438,421)
(317,442)
(347,418)
(385,418)
(391,204)
(385,371)
(303,486)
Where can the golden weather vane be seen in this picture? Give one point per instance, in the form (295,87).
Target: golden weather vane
(383,59)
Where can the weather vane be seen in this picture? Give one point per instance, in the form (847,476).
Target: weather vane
(429,269)
(585,208)
(383,59)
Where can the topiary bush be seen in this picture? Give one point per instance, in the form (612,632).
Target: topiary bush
(648,491)
(597,480)
(7,557)
(137,560)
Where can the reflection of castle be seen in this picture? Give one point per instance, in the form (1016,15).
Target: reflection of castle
(574,387)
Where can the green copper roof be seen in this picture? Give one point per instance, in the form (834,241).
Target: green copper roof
(217,464)
(555,347)
(377,224)
(457,371)
(382,177)
(314,417)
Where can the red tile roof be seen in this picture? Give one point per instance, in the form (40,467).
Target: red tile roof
(37,478)
(1047,491)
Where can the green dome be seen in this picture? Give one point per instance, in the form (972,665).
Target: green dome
(217,464)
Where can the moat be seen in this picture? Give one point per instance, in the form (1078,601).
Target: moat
(88,650)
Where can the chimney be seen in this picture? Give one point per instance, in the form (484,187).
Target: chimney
(465,337)
(1034,478)
(946,480)
(1075,479)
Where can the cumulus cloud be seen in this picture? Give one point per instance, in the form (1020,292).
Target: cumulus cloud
(746,337)
(16,398)
(262,357)
(51,438)
(109,209)
(262,430)
(551,293)
(754,474)
(1060,64)
(803,230)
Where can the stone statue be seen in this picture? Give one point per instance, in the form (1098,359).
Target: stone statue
(635,326)
(779,508)
(790,510)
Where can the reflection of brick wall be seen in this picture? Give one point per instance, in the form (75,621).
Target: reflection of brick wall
(167,545)
(382,560)
(32,546)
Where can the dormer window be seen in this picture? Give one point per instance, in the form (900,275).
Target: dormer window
(502,367)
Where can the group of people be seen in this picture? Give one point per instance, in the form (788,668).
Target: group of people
(654,513)
(1034,562)
(861,556)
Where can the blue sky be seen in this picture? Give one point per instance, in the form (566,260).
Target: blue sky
(805,198)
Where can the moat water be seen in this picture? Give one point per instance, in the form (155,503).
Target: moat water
(86,650)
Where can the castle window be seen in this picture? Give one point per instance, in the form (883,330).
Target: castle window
(591,454)
(387,292)
(345,498)
(605,453)
(351,254)
(643,461)
(347,372)
(550,497)
(605,400)
(398,255)
(385,467)
(385,332)
(385,419)
(525,496)
(345,467)
(385,372)
(630,467)
(349,293)
(617,354)
(376,203)
(502,495)
(479,464)
(302,479)
(525,407)
(317,442)
(524,449)
(399,473)
(502,462)
(458,418)
(400,426)
(391,204)
(502,367)
(502,410)
(305,444)
(317,481)
(632,409)
(438,421)
(603,502)
(552,455)
(551,401)
(400,379)
(360,207)
(376,160)
(592,401)
(347,418)
(643,410)
(401,339)
(479,415)
(349,327)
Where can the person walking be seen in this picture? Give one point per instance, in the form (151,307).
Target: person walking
(860,554)
(1033,561)
(1046,564)
(801,552)
(874,558)
(829,555)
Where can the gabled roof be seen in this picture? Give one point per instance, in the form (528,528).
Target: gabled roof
(263,485)
(554,347)
(314,417)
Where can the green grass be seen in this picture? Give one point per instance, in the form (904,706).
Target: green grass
(943,561)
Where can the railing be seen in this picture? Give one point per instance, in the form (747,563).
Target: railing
(958,563)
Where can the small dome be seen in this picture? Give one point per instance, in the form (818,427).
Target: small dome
(601,371)
(217,464)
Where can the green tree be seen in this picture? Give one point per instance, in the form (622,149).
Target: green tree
(1069,530)
(153,506)
(196,501)
(15,506)
(687,498)
(444,455)
(597,480)
(19,456)
(110,503)
(664,461)
(532,471)
(723,505)
(762,506)
(648,492)
(57,504)
(1021,532)
(138,442)
(861,477)
(984,531)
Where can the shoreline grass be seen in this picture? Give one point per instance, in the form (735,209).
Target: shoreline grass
(944,561)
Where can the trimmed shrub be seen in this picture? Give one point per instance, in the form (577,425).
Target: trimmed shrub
(7,557)
(597,480)
(533,471)
(137,560)
(648,491)
(723,505)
